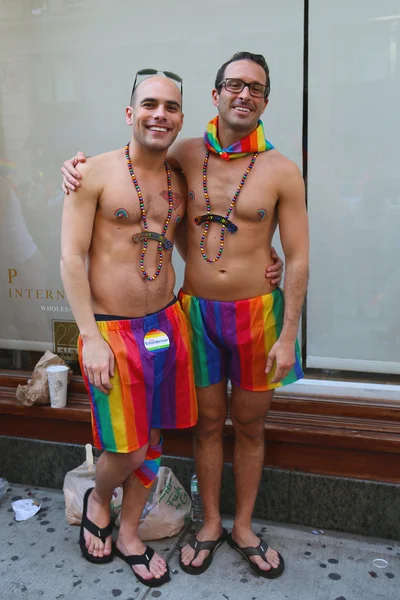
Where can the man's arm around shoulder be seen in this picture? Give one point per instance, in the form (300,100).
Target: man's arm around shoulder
(181,151)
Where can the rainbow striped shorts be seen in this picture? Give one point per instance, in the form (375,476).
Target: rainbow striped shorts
(233,339)
(153,383)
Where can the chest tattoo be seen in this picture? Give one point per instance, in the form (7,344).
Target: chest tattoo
(176,198)
(121,213)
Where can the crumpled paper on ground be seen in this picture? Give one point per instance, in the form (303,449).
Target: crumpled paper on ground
(36,391)
(25,509)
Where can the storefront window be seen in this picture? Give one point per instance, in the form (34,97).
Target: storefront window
(353,311)
(65,78)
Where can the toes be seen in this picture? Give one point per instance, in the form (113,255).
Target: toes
(264,566)
(158,567)
(200,558)
(98,550)
(187,555)
(156,571)
(161,567)
(184,556)
(108,546)
(143,572)
(273,559)
(90,545)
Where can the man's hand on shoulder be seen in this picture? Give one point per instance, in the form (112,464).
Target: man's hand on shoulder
(71,176)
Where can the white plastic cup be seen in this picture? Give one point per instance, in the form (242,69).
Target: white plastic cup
(58,382)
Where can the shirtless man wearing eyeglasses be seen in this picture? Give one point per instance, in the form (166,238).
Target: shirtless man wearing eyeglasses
(241,327)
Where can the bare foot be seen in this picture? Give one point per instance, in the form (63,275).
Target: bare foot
(99,514)
(158,566)
(246,538)
(209,532)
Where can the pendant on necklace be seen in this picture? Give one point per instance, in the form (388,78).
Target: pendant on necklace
(226,224)
(147,235)
(152,235)
(231,227)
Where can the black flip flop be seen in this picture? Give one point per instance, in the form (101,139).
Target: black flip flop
(260,550)
(101,533)
(198,546)
(144,559)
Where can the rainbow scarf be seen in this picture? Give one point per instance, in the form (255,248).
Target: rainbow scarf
(254,142)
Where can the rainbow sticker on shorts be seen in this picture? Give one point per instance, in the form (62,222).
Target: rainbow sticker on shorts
(156,341)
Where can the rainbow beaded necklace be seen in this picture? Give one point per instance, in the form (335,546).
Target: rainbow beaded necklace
(151,235)
(254,143)
(224,220)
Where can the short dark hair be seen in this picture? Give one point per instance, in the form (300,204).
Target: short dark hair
(257,58)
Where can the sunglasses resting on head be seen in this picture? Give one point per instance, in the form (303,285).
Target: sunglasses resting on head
(168,74)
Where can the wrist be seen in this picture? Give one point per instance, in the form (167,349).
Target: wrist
(90,336)
(287,337)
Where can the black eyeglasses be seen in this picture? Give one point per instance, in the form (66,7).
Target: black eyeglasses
(168,74)
(258,90)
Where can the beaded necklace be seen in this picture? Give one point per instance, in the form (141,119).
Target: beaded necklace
(226,224)
(146,235)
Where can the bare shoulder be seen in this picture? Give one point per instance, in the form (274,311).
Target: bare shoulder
(283,166)
(179,182)
(194,143)
(99,162)
(96,168)
(188,144)
(184,151)
(287,175)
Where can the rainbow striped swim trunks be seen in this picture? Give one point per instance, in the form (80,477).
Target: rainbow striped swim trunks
(153,383)
(233,339)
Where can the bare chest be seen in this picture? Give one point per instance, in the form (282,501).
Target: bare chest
(122,204)
(247,191)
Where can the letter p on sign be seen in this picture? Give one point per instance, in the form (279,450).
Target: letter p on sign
(11,274)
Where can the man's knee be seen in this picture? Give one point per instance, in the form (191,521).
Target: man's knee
(132,460)
(246,427)
(210,426)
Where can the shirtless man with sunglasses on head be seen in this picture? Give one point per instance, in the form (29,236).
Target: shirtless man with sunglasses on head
(241,327)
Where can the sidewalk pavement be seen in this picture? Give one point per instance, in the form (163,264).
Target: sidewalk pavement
(40,560)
